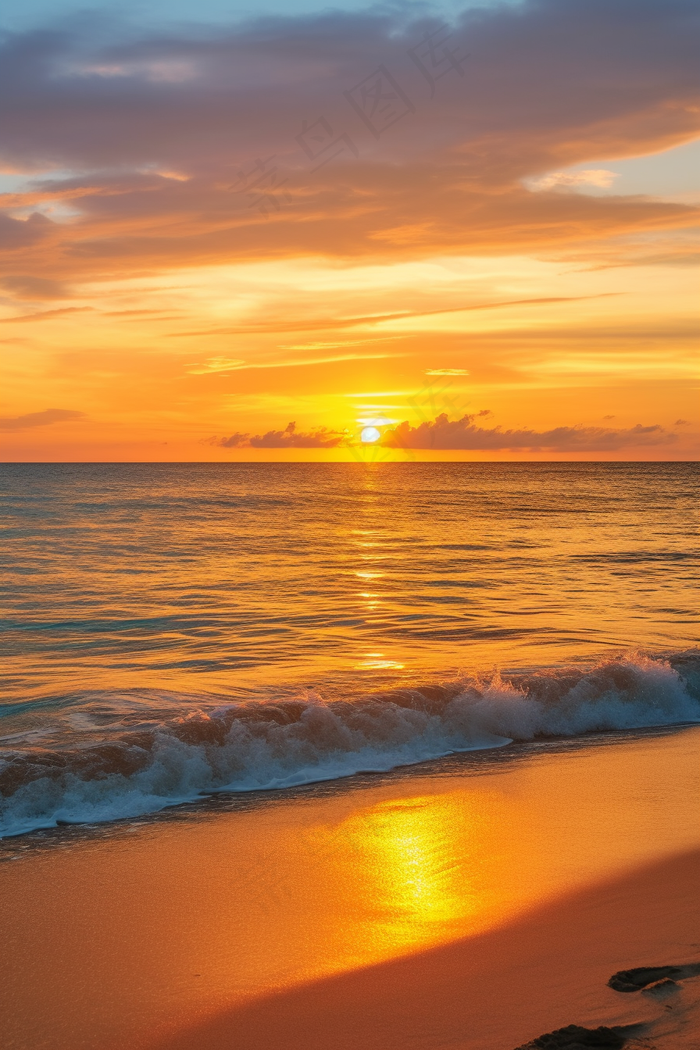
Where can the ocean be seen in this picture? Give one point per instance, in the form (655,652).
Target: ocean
(176,631)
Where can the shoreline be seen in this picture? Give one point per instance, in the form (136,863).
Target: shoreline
(467,762)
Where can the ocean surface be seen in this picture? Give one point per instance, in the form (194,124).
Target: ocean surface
(176,630)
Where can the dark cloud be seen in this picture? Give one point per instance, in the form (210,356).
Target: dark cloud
(234,441)
(444,434)
(23,233)
(290,437)
(611,69)
(40,419)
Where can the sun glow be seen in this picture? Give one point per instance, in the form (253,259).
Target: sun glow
(370,435)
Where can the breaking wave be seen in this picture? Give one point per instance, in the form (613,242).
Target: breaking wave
(142,753)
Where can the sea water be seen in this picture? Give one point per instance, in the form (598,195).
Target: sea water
(176,630)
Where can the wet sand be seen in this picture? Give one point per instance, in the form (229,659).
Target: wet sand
(467,906)
(497,990)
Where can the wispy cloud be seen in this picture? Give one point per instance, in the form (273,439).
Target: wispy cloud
(311,323)
(598,177)
(446,372)
(45,315)
(28,286)
(241,366)
(215,365)
(40,419)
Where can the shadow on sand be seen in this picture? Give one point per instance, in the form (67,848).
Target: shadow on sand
(493,991)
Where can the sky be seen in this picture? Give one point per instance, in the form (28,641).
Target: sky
(355,232)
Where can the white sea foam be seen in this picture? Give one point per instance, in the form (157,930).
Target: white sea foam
(250,747)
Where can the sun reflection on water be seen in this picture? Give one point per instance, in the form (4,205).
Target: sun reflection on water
(377,662)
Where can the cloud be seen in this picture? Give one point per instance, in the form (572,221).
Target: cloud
(217,365)
(599,177)
(23,233)
(45,315)
(25,286)
(236,440)
(445,434)
(290,437)
(308,324)
(40,419)
(446,372)
(548,84)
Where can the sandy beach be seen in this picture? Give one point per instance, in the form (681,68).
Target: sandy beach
(475,903)
(496,990)
(349,474)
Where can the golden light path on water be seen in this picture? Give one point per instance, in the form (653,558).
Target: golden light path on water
(214,578)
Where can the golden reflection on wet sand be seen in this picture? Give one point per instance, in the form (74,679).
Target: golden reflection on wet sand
(418,885)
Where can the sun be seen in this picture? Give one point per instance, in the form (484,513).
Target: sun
(369,434)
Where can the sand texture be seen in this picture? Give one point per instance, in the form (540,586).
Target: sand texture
(504,988)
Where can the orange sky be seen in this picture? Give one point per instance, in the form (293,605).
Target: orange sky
(521,227)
